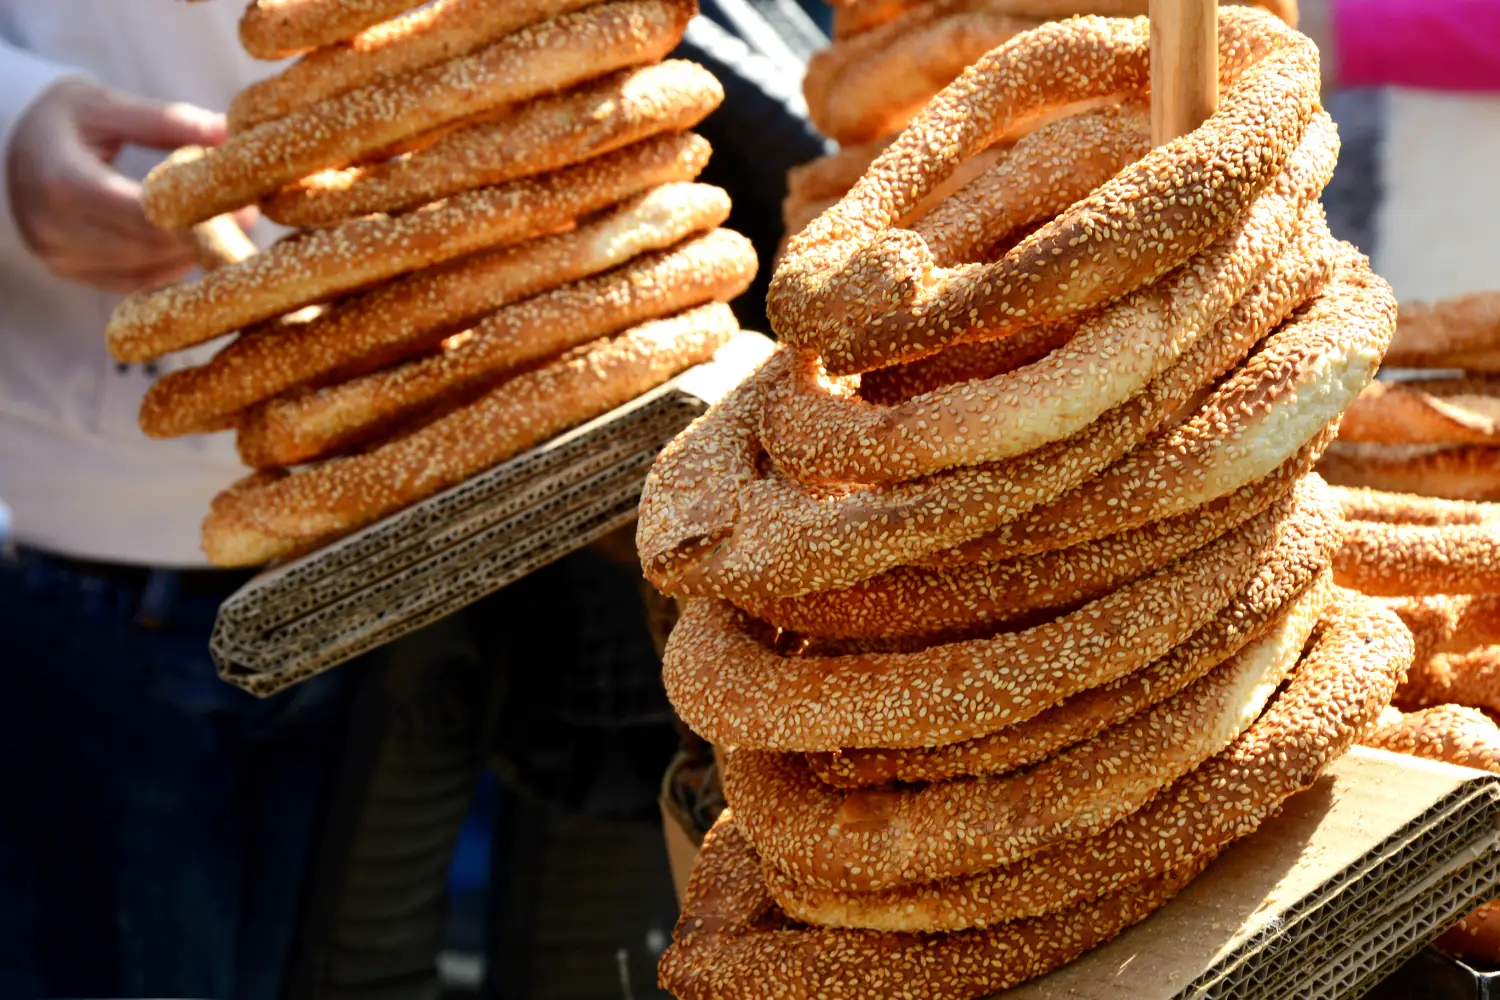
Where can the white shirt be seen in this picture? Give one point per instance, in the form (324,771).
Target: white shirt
(77,473)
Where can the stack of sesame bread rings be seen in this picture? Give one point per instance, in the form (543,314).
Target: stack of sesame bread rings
(887,60)
(496,237)
(1008,586)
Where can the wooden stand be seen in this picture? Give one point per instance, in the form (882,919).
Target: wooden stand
(1184,66)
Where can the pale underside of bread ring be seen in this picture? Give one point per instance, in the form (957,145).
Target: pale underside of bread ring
(1254,610)
(1335,695)
(360,253)
(303,511)
(404,317)
(275,29)
(815,431)
(735,691)
(1459,472)
(733,944)
(1432,411)
(1397,560)
(539,59)
(430,34)
(866,840)
(303,426)
(865,294)
(544,134)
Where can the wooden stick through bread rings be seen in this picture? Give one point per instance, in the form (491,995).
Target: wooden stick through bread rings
(545,57)
(1333,698)
(302,427)
(541,135)
(431,34)
(865,294)
(412,314)
(279,517)
(330,262)
(275,29)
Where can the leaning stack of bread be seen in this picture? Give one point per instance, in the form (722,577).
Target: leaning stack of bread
(1008,586)
(887,60)
(1438,435)
(498,238)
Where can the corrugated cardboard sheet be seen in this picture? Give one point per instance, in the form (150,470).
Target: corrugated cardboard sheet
(427,561)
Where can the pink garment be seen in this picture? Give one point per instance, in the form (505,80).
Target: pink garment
(1429,44)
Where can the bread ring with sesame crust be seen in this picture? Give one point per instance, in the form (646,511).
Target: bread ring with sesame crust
(430,34)
(1432,411)
(1448,623)
(308,425)
(866,295)
(1334,696)
(1475,938)
(1470,677)
(735,690)
(1461,333)
(1084,715)
(732,941)
(541,135)
(409,315)
(1454,734)
(814,431)
(1399,560)
(1361,504)
(854,17)
(1458,472)
(326,263)
(282,517)
(275,29)
(544,57)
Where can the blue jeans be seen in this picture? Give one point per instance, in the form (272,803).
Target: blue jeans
(155,823)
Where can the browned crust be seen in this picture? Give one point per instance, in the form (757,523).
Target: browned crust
(1363,504)
(1462,472)
(1396,560)
(362,252)
(541,135)
(1433,411)
(275,29)
(1462,333)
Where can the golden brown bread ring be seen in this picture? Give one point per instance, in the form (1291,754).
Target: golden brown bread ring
(1462,333)
(1468,677)
(1432,411)
(275,29)
(1362,504)
(1333,698)
(330,262)
(732,943)
(308,509)
(541,135)
(815,429)
(307,425)
(430,34)
(1445,623)
(1453,734)
(1475,938)
(1459,472)
(544,57)
(397,320)
(1397,560)
(865,294)
(734,690)
(852,17)
(874,839)
(1089,712)
(911,600)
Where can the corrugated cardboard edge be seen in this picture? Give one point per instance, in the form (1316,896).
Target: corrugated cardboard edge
(423,563)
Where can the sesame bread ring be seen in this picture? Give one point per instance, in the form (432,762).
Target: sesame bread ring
(544,57)
(300,512)
(1454,734)
(1458,472)
(1461,333)
(1471,677)
(1398,560)
(275,29)
(911,600)
(733,943)
(327,263)
(867,840)
(1248,617)
(865,294)
(303,426)
(541,135)
(854,17)
(815,432)
(734,690)
(1434,411)
(1334,696)
(412,314)
(1475,938)
(431,34)
(1406,508)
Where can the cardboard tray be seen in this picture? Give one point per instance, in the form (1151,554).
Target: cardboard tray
(427,561)
(1324,901)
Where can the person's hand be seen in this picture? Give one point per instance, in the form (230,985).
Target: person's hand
(78,214)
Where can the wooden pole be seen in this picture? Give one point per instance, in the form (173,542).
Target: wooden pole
(1184,66)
